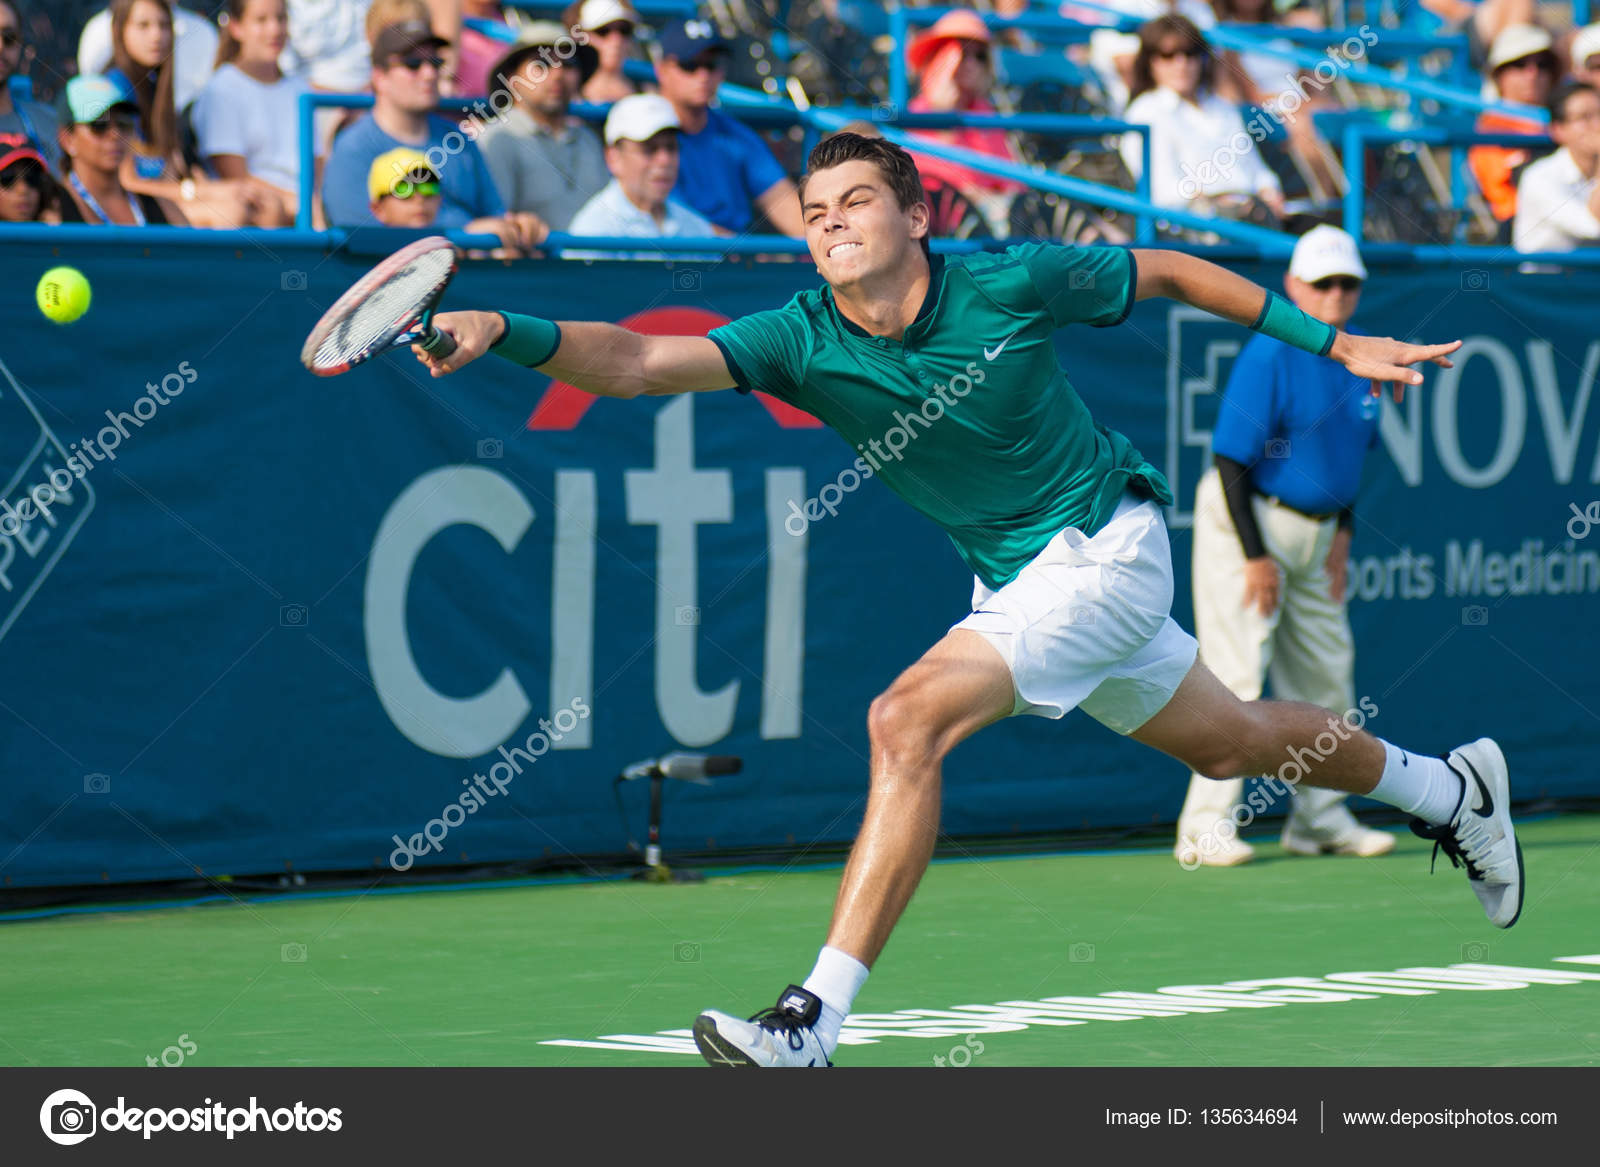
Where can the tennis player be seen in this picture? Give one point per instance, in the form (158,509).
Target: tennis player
(1059,518)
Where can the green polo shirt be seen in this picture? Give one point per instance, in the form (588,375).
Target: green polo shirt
(969,417)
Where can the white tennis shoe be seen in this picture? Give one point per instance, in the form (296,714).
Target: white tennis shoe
(776,1037)
(1480,836)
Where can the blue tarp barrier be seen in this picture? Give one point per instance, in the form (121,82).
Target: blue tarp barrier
(293,620)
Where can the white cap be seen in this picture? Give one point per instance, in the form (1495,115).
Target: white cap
(1517,41)
(640,118)
(599,13)
(1323,252)
(1585,45)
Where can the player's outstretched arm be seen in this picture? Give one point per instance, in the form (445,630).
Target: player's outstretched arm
(599,358)
(1219,291)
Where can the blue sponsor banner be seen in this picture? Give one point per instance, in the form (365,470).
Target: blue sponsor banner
(390,621)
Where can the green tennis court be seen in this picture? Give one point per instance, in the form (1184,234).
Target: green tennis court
(490,975)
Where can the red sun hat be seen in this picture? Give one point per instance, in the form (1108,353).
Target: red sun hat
(11,155)
(961,25)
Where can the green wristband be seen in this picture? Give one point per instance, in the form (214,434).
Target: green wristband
(528,340)
(1281,320)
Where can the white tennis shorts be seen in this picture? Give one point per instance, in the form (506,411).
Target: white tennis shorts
(1087,623)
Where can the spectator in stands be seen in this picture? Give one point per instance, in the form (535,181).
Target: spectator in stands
(724,168)
(479,51)
(328,43)
(247,121)
(1262,80)
(953,61)
(27,192)
(405,82)
(98,121)
(22,123)
(610,25)
(1113,52)
(405,192)
(194,49)
(1558,197)
(144,65)
(1196,160)
(642,155)
(1484,20)
(1523,67)
(1586,55)
(545,162)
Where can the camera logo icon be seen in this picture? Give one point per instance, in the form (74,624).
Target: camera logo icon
(685,952)
(1278,448)
(1474,280)
(1475,616)
(491,448)
(293,616)
(885,111)
(686,615)
(97,783)
(1080,281)
(292,953)
(685,281)
(293,281)
(67,1117)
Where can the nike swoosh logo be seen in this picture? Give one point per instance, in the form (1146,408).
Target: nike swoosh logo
(1404,761)
(990,354)
(1487,809)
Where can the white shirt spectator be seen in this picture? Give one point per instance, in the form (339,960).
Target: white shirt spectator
(1553,207)
(1195,149)
(612,213)
(236,114)
(195,48)
(328,42)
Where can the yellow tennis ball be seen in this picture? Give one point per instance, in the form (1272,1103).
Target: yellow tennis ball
(63,294)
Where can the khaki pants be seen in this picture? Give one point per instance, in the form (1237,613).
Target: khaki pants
(1304,647)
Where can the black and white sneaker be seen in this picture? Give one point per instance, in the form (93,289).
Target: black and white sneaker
(1480,837)
(780,1036)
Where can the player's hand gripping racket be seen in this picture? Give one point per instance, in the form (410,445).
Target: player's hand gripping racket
(391,307)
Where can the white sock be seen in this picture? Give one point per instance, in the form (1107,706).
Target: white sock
(1419,784)
(837,979)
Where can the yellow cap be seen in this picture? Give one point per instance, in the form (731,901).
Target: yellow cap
(388,169)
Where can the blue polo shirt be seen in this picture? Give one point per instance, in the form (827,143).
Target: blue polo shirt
(466,186)
(1302,424)
(723,169)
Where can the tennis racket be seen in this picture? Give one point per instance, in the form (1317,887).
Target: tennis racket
(390,307)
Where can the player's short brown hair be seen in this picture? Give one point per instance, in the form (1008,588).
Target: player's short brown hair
(896,166)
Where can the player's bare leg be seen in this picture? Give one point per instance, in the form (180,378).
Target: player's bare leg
(1463,801)
(957,688)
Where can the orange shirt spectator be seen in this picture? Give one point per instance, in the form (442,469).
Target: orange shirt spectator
(1523,65)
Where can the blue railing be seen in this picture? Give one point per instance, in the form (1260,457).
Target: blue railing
(1357,135)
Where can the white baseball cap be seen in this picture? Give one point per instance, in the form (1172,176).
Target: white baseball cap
(1517,41)
(1323,252)
(1586,44)
(599,13)
(640,118)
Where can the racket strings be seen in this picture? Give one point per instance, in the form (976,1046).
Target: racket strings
(386,312)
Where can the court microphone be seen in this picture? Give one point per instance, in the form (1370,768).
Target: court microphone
(696,768)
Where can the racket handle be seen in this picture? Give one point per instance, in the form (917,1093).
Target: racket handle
(438,344)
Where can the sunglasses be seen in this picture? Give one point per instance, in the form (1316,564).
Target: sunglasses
(415,63)
(122,124)
(978,53)
(664,145)
(1540,61)
(620,28)
(427,188)
(1343,283)
(1194,54)
(712,64)
(31,175)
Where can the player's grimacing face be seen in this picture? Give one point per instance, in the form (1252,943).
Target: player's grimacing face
(854,225)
